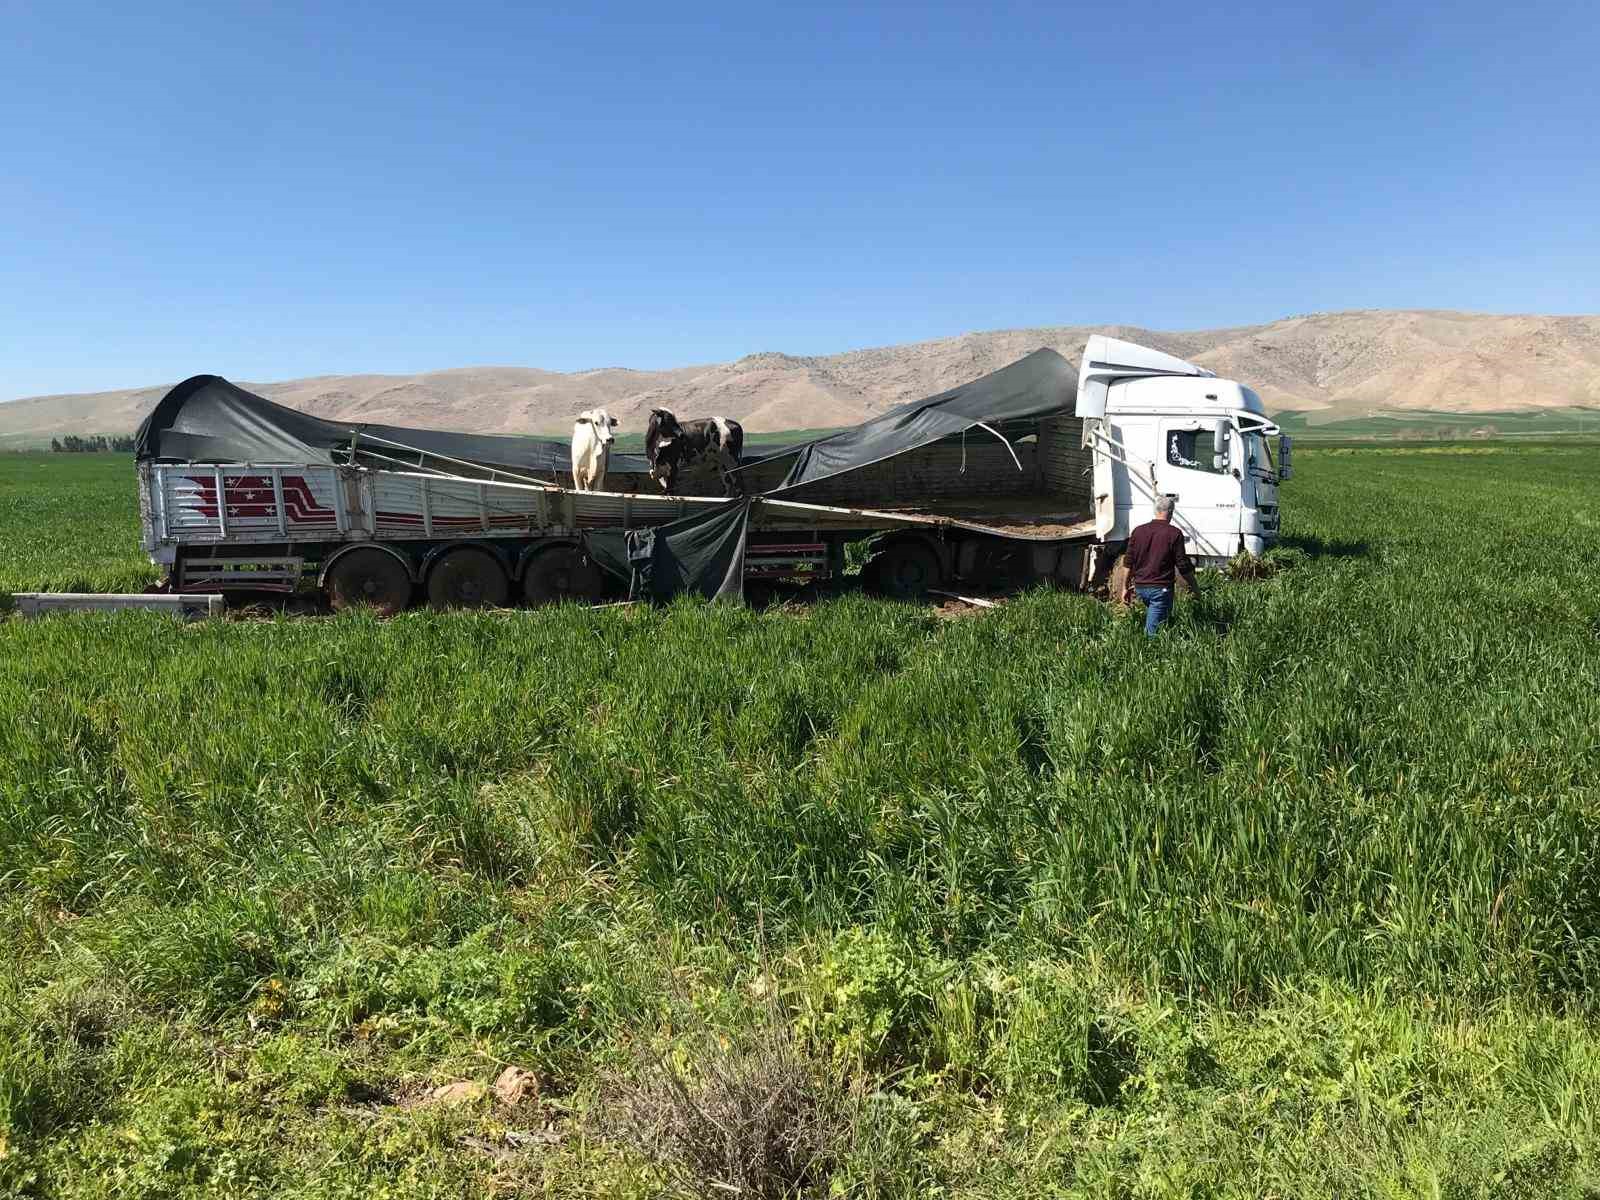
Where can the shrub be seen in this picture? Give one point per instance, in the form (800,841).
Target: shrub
(748,1113)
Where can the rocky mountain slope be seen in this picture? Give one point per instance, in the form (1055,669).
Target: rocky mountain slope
(1347,363)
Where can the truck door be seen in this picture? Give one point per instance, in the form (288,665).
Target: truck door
(1208,495)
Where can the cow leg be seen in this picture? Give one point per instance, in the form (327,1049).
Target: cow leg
(731,484)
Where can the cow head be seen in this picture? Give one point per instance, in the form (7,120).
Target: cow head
(662,425)
(602,422)
(660,434)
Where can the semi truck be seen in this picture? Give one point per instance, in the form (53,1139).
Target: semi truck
(1031,473)
(1158,426)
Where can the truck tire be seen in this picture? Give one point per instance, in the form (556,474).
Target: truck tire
(561,573)
(370,577)
(903,571)
(467,578)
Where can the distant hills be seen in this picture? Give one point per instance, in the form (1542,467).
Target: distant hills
(1326,369)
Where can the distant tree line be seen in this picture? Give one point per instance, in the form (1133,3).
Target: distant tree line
(99,444)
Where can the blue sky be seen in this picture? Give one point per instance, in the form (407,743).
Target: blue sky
(273,190)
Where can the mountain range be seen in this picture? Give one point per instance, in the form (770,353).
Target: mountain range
(1322,366)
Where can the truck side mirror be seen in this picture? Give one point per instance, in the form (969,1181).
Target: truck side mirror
(1220,443)
(1285,444)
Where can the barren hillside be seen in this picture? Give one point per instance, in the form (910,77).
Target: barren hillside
(1348,363)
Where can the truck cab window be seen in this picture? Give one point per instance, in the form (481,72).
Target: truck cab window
(1192,448)
(1258,452)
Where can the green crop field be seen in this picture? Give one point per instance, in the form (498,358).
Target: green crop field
(1300,900)
(1424,425)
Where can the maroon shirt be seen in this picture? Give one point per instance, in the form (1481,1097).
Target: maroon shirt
(1155,552)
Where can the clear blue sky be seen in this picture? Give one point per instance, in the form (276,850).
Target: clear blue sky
(271,190)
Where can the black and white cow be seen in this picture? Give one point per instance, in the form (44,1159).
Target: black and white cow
(672,445)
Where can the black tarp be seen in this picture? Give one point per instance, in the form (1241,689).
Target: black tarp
(702,553)
(208,419)
(1041,383)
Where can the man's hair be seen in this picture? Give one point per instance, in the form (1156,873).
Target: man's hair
(1165,505)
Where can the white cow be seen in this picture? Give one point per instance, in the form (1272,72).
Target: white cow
(591,449)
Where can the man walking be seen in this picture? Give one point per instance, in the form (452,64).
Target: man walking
(1156,555)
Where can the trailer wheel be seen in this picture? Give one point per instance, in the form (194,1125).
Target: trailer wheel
(467,578)
(371,577)
(903,571)
(561,573)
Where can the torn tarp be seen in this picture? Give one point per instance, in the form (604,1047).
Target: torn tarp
(1041,383)
(702,553)
(208,419)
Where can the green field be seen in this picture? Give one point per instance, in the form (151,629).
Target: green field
(1423,425)
(1302,899)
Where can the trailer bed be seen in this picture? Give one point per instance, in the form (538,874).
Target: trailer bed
(209,504)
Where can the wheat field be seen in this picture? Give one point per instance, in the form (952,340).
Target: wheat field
(847,898)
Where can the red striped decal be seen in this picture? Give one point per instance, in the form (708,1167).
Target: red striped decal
(250,497)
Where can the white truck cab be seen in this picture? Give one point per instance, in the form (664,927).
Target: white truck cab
(1157,425)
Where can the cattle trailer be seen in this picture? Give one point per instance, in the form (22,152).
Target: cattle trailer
(388,537)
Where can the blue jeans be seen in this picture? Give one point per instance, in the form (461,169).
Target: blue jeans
(1158,607)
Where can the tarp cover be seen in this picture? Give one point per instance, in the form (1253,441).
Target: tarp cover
(208,419)
(702,553)
(1041,383)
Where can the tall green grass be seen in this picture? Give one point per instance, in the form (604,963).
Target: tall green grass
(70,523)
(1302,897)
